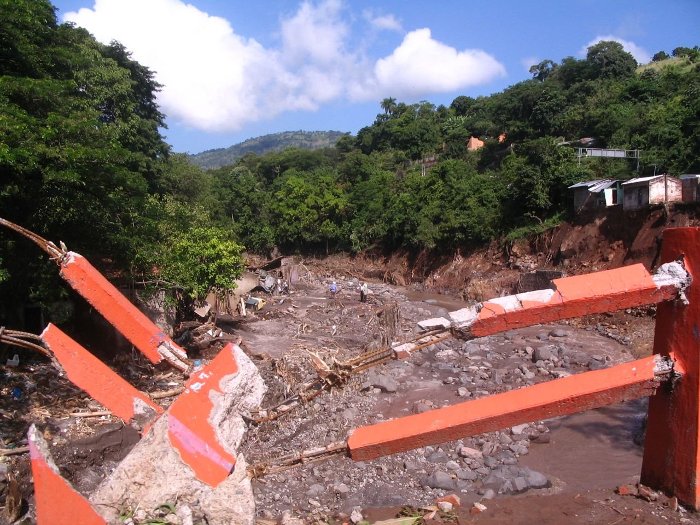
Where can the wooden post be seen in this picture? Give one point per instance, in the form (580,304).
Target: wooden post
(671,452)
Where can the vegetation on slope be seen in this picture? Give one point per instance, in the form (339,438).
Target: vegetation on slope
(215,158)
(82,161)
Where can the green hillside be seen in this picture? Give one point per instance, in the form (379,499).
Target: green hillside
(216,158)
(82,161)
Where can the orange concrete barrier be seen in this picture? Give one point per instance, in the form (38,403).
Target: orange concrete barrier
(552,398)
(57,503)
(672,446)
(599,292)
(189,427)
(94,377)
(120,312)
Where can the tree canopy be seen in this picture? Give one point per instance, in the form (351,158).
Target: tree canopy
(82,161)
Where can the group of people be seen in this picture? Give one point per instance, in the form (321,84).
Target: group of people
(363,289)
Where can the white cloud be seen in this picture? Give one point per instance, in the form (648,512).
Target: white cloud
(382,22)
(640,54)
(423,65)
(206,68)
(215,79)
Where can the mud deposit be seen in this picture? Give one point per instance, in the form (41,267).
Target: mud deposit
(545,458)
(556,471)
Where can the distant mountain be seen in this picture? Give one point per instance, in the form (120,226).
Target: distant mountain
(215,158)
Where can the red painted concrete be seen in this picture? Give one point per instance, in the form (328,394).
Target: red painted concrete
(57,503)
(90,374)
(598,292)
(189,427)
(116,308)
(671,450)
(553,398)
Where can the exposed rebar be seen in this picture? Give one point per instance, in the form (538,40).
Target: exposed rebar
(57,254)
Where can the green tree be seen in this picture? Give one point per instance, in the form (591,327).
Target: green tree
(609,59)
(309,208)
(542,70)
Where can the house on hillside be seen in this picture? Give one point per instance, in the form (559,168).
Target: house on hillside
(643,191)
(594,194)
(474,144)
(690,188)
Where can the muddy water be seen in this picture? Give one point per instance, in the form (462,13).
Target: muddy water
(593,449)
(586,451)
(445,301)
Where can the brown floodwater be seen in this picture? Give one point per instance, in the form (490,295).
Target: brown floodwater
(592,449)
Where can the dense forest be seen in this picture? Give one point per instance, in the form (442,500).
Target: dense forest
(82,161)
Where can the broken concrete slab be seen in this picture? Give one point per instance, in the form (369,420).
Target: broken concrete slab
(464,315)
(160,469)
(434,323)
(90,374)
(57,502)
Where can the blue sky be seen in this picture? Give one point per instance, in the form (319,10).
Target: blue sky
(233,70)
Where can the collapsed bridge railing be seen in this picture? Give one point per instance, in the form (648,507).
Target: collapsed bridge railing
(671,377)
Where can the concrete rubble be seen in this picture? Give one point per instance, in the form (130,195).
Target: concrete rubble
(154,473)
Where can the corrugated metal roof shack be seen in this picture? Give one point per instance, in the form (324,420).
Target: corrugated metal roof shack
(594,194)
(641,192)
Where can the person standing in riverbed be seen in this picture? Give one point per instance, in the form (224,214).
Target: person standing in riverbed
(364,290)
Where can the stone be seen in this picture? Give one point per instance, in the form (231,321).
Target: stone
(382,382)
(519,484)
(440,480)
(594,364)
(445,506)
(518,449)
(439,456)
(542,439)
(466,474)
(489,448)
(560,373)
(355,516)
(490,462)
(558,332)
(544,353)
(535,480)
(452,465)
(519,429)
(423,406)
(477,508)
(471,453)
(463,392)
(410,465)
